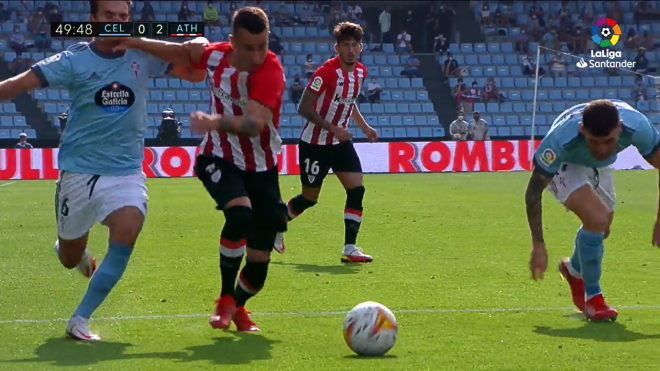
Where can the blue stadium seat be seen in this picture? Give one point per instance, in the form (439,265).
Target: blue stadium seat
(5,134)
(19,121)
(9,107)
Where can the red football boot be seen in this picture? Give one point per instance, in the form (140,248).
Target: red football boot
(597,311)
(576,284)
(243,321)
(225,307)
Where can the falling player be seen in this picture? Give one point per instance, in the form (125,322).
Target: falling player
(101,152)
(238,156)
(575,159)
(328,103)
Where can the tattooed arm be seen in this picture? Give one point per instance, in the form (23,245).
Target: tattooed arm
(533,199)
(306,109)
(250,125)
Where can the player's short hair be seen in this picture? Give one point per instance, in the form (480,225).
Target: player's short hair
(94,6)
(254,20)
(600,117)
(347,30)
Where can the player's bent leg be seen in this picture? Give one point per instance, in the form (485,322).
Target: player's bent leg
(233,238)
(352,182)
(595,216)
(306,199)
(73,254)
(125,225)
(253,277)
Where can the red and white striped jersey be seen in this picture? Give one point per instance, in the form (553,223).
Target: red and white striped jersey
(230,90)
(338,90)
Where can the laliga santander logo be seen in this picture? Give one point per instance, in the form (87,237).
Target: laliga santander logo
(605,32)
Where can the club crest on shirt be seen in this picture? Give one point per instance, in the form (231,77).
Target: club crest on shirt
(317,83)
(548,157)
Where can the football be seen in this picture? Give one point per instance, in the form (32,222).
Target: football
(370,329)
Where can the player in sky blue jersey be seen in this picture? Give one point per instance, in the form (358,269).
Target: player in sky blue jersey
(574,162)
(101,151)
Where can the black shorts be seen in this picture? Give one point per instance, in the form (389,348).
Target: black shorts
(316,160)
(224,181)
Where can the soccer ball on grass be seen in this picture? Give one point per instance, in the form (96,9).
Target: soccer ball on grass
(370,329)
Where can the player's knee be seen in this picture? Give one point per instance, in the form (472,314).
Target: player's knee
(354,196)
(609,225)
(258,255)
(238,222)
(70,252)
(125,225)
(599,223)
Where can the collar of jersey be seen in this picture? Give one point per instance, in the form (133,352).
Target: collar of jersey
(105,55)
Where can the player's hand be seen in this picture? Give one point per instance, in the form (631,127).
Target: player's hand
(538,261)
(656,234)
(201,122)
(342,135)
(371,133)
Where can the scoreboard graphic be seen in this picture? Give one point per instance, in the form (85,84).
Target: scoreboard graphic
(127,29)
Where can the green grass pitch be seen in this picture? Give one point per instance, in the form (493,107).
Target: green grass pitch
(450,255)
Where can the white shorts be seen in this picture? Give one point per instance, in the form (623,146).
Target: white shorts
(571,177)
(81,200)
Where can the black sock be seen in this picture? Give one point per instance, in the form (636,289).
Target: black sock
(250,281)
(232,248)
(298,205)
(353,214)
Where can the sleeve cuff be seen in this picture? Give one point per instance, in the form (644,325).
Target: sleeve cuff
(543,171)
(40,75)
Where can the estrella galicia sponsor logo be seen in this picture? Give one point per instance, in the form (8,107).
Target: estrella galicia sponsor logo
(115,98)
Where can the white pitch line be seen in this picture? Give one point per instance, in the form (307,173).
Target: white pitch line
(324,314)
(6,184)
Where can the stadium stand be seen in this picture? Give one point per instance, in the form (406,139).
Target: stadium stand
(499,59)
(404,111)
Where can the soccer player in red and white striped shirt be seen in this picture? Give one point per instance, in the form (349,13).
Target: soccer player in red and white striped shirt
(238,157)
(328,103)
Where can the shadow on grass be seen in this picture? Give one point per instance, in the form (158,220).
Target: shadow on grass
(236,348)
(606,332)
(329,269)
(65,352)
(241,348)
(355,356)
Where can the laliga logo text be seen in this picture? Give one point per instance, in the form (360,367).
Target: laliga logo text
(605,32)
(609,61)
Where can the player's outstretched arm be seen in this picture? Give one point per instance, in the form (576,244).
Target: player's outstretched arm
(534,204)
(306,109)
(16,85)
(538,260)
(174,53)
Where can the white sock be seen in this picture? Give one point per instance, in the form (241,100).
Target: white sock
(349,249)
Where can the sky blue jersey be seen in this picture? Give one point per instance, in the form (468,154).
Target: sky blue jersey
(108,115)
(565,144)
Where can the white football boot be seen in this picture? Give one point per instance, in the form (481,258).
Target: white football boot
(279,245)
(87,265)
(354,254)
(77,329)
